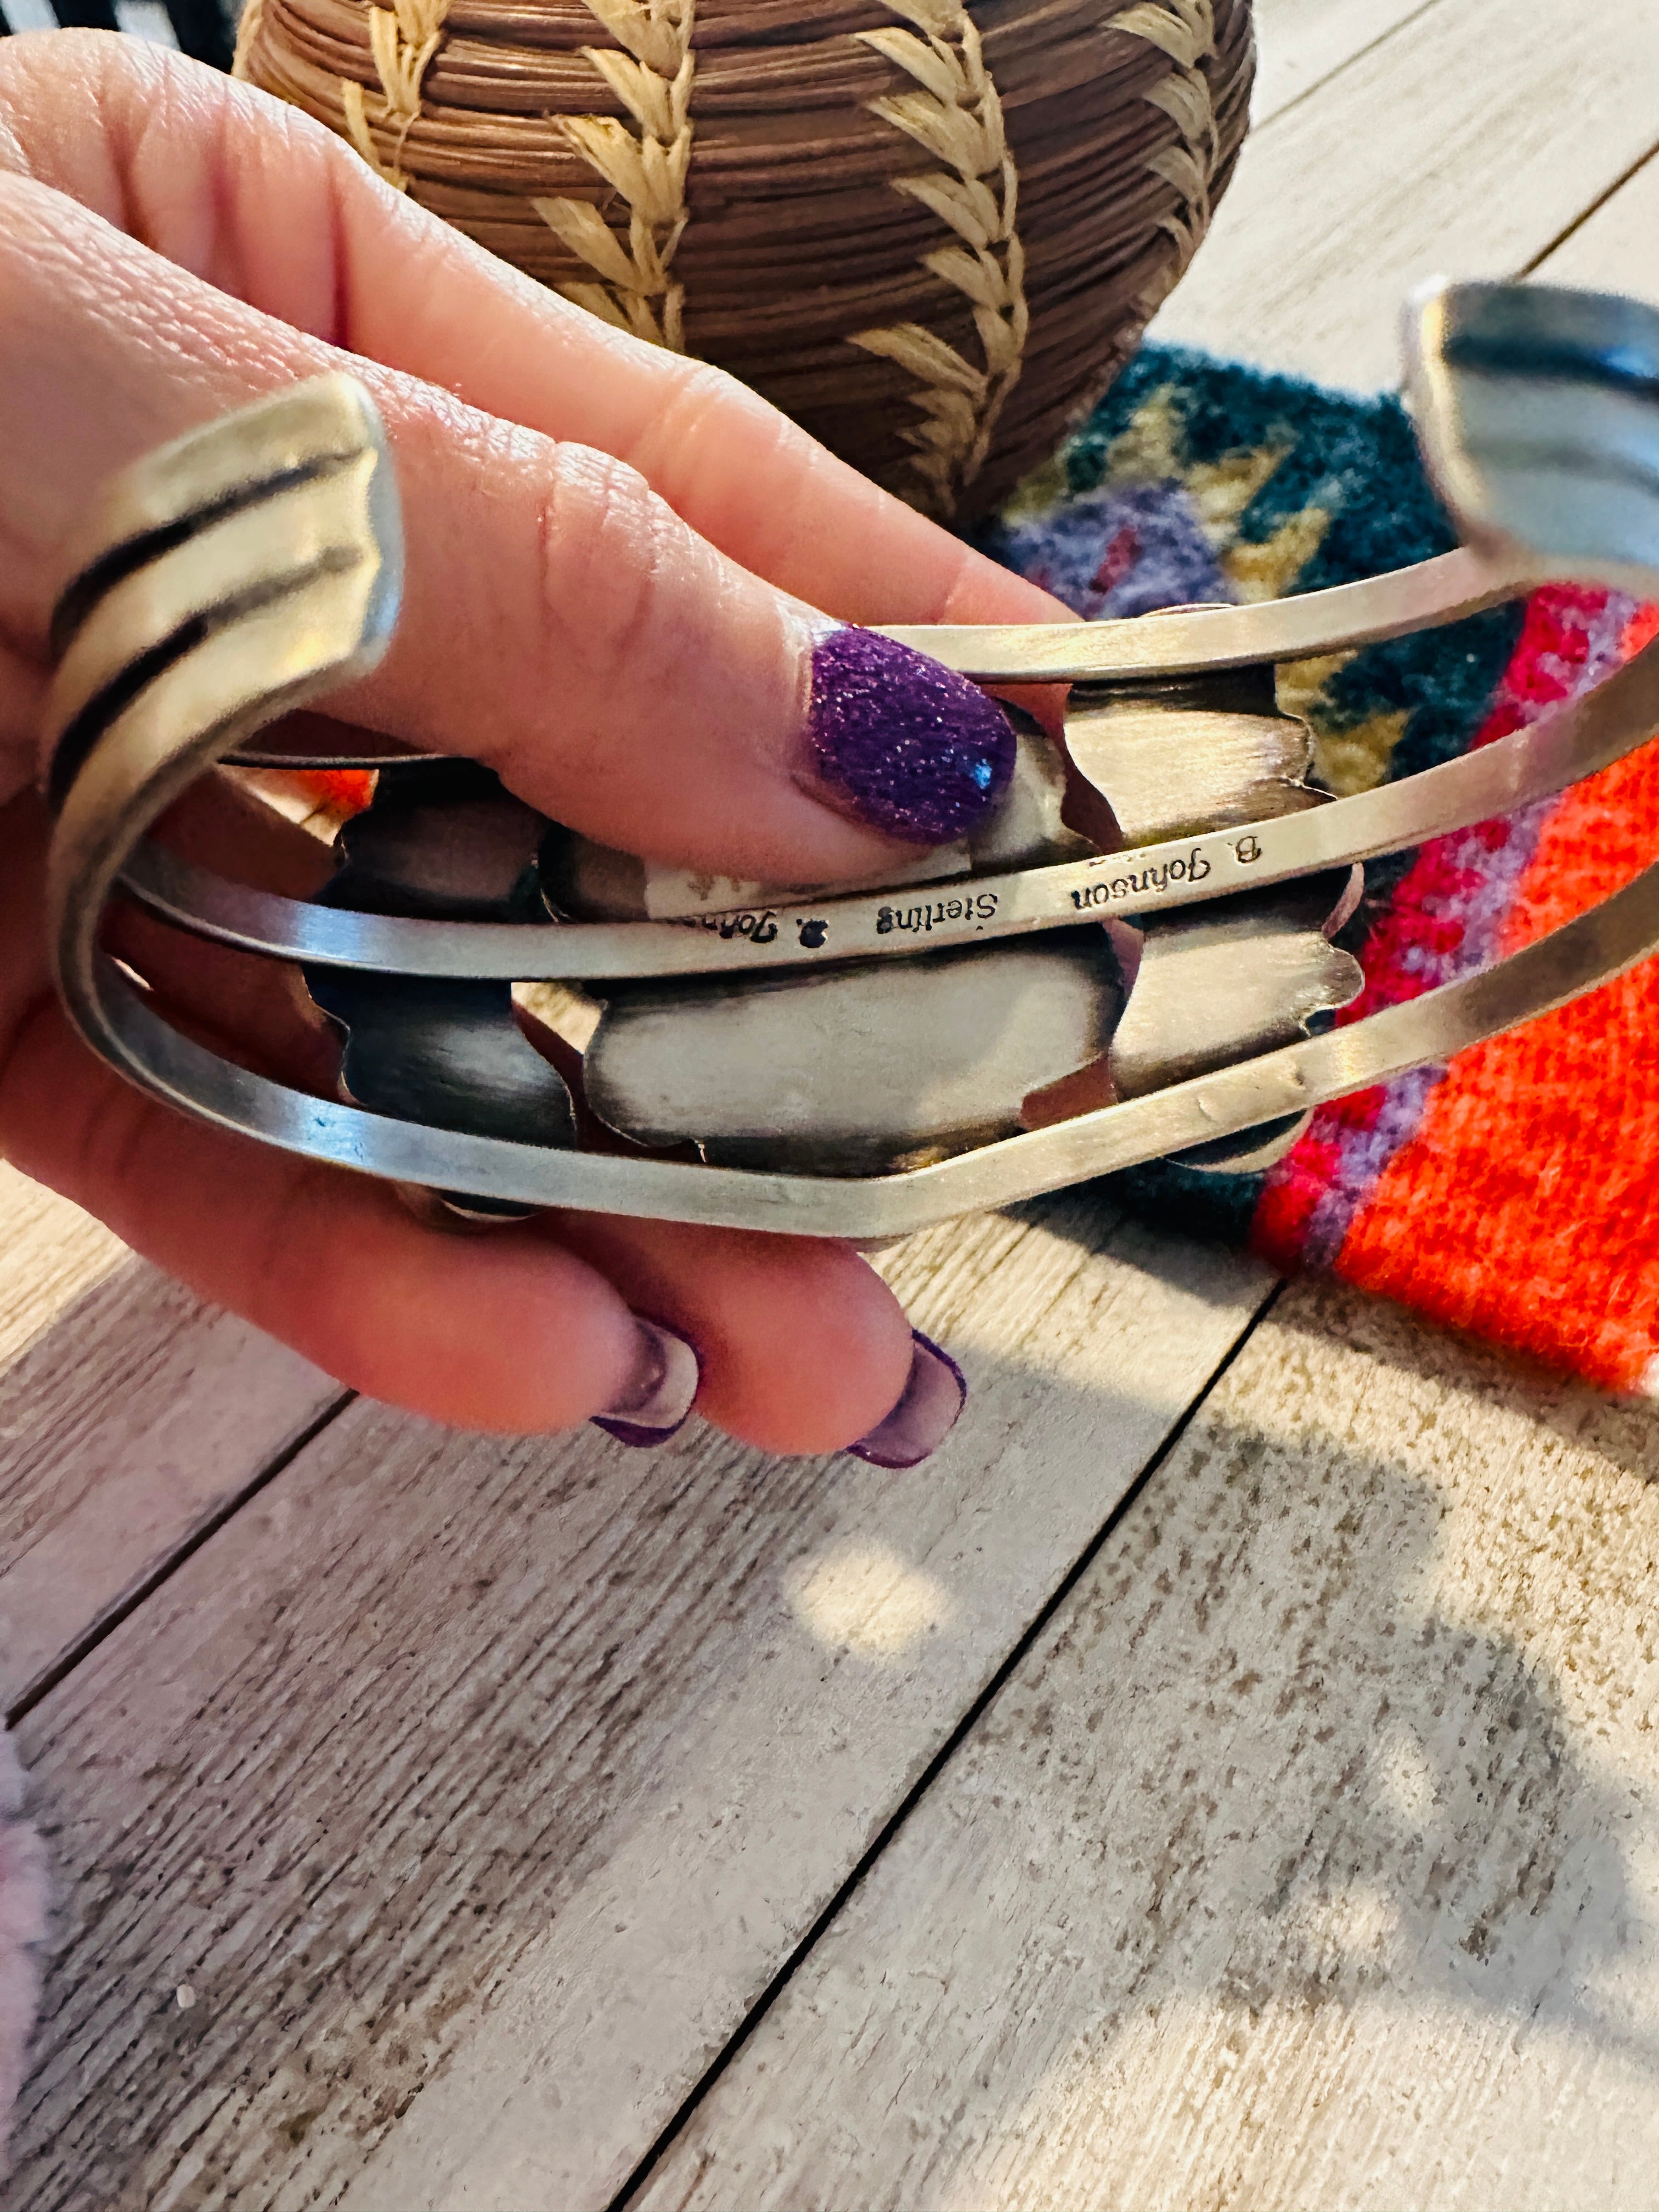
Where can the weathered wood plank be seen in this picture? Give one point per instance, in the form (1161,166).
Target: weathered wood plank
(509,1774)
(1464,144)
(1300,43)
(129,1413)
(1310,1857)
(1616,248)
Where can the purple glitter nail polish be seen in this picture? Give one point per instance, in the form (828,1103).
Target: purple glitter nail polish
(910,748)
(934,1395)
(657,1401)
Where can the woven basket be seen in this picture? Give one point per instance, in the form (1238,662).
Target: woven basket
(930,234)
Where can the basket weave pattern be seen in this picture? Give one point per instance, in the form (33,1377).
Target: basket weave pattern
(930,232)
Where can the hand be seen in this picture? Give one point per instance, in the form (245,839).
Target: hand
(615,558)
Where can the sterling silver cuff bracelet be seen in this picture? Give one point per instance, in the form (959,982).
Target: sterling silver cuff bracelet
(1127,964)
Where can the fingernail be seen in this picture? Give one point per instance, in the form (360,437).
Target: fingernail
(910,748)
(935,1393)
(659,1395)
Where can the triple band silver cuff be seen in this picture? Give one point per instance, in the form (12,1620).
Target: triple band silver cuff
(1125,965)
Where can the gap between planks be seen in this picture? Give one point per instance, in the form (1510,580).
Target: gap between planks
(1301,44)
(1614,245)
(183,1547)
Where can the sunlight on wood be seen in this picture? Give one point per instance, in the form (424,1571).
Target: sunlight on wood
(54,1252)
(1309,1857)
(864,1597)
(1218,2091)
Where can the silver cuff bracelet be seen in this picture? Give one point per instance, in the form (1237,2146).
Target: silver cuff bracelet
(1125,965)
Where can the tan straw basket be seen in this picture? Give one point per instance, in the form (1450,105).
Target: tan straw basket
(931,233)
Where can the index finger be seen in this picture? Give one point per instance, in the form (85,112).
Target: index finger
(353,263)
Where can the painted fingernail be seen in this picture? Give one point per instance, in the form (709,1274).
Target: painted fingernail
(910,748)
(658,1397)
(935,1393)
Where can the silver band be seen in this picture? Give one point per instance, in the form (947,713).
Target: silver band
(1530,764)
(1591,950)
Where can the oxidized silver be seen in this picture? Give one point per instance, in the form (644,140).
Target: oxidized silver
(847,1063)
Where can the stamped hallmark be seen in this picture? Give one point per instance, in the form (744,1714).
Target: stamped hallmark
(759,927)
(1113,890)
(1035,899)
(921,920)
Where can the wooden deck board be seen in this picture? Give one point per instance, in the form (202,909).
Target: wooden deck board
(1464,142)
(129,1415)
(1311,1858)
(518,1771)
(1300,44)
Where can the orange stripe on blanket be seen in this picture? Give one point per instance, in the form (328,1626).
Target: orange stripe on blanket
(1487,1218)
(348,790)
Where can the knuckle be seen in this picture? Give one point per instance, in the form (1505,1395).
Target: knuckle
(606,544)
(689,444)
(700,396)
(703,392)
